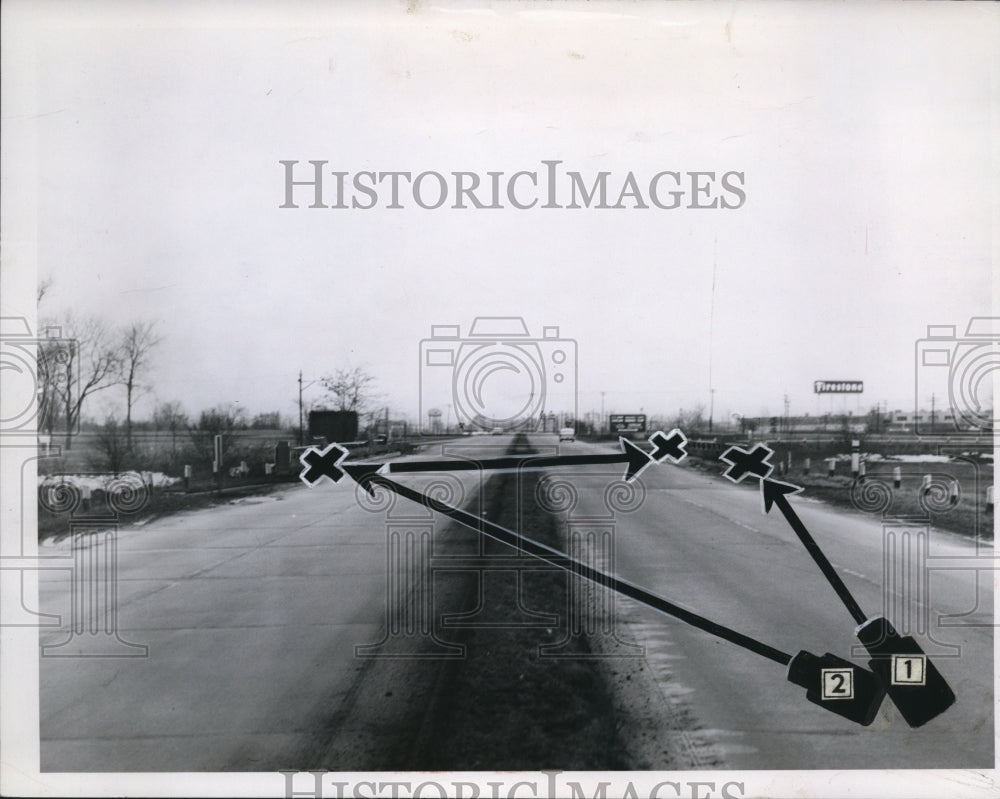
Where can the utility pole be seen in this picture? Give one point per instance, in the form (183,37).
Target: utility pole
(301,421)
(787,404)
(602,412)
(932,412)
(711,336)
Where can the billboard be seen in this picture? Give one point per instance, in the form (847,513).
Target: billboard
(341,426)
(627,423)
(838,386)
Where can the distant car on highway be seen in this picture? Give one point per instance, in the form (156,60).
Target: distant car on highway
(567,434)
(496,431)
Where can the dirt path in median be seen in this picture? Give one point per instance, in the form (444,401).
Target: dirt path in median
(506,704)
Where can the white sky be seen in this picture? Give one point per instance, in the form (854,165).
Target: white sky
(151,134)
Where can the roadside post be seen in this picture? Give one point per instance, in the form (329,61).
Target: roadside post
(282,457)
(217,462)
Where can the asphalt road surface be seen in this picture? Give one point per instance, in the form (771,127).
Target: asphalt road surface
(251,613)
(705,544)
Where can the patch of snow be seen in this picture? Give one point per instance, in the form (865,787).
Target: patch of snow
(101,480)
(874,456)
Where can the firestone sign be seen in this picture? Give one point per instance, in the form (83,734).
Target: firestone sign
(838,386)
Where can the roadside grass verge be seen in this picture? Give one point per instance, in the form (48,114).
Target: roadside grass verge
(954,500)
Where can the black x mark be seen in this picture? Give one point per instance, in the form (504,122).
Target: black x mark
(321,463)
(743,463)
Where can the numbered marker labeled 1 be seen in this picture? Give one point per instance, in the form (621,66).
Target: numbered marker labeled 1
(915,686)
(908,670)
(838,686)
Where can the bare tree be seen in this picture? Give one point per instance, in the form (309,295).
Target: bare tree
(137,342)
(221,420)
(350,389)
(267,421)
(170,416)
(113,448)
(692,420)
(84,362)
(48,359)
(50,370)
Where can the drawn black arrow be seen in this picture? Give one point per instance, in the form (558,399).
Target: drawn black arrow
(857,696)
(559,559)
(773,492)
(666,446)
(913,683)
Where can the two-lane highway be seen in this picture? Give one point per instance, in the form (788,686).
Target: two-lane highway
(705,544)
(251,612)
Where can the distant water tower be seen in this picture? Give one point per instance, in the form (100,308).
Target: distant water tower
(434,417)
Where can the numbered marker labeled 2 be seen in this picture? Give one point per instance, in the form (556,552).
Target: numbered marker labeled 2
(837,684)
